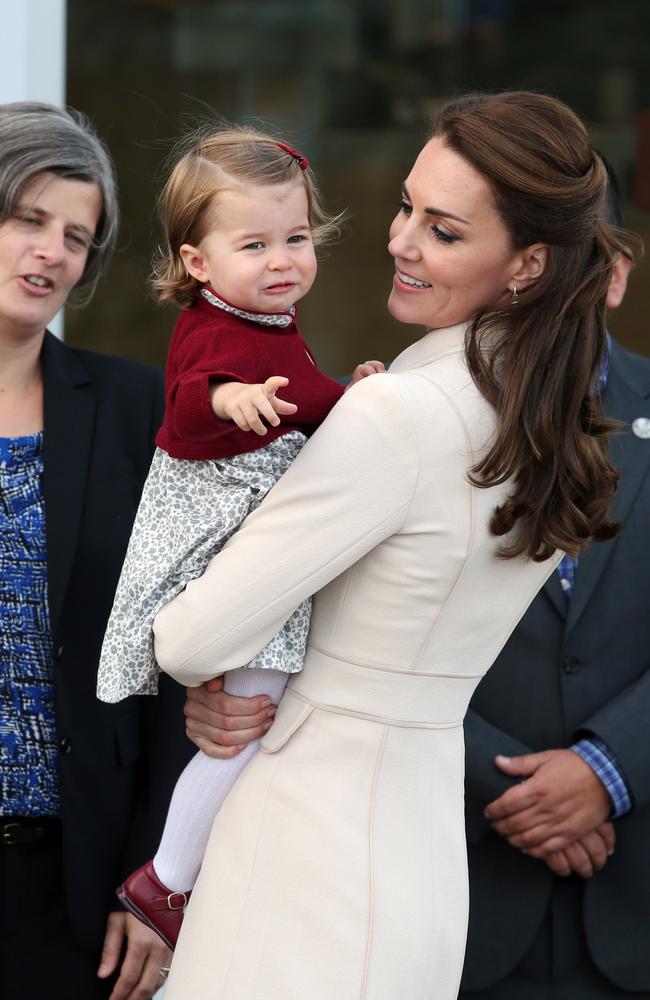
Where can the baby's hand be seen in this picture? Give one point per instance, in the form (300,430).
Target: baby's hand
(246,404)
(362,371)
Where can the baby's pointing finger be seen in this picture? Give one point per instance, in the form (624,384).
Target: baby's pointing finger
(274,383)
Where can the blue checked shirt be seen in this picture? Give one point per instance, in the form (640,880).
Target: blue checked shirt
(592,749)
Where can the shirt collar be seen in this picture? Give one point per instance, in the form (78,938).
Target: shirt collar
(266,319)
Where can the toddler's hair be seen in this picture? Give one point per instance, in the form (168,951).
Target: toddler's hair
(209,161)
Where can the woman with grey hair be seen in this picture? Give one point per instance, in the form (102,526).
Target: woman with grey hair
(76,438)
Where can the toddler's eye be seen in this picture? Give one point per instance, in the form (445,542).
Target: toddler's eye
(298,238)
(256,245)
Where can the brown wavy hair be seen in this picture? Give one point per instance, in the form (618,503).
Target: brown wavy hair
(538,361)
(213,159)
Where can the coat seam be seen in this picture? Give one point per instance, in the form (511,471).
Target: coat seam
(371,817)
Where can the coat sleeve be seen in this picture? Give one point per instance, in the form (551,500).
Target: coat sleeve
(348,490)
(484,782)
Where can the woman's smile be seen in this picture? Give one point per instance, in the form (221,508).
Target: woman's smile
(402,278)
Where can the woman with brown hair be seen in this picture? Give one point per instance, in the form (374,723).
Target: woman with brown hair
(424,514)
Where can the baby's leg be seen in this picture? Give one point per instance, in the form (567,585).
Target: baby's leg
(202,788)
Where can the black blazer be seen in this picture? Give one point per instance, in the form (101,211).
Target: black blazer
(568,670)
(117,763)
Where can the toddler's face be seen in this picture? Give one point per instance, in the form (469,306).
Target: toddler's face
(259,255)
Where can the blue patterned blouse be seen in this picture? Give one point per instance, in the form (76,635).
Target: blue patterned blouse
(28,757)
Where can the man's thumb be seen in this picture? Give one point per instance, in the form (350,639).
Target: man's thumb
(521,767)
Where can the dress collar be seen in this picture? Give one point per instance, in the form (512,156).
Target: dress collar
(435,344)
(266,319)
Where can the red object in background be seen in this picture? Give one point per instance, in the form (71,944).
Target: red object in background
(642,180)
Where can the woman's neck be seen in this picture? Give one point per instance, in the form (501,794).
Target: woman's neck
(21,387)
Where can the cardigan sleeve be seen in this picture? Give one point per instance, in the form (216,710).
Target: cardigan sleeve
(197,365)
(348,490)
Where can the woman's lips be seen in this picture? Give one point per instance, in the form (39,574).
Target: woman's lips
(407,282)
(36,284)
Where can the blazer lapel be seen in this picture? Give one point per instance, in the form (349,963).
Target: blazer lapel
(69,415)
(626,397)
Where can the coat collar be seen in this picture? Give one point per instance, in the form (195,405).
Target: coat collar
(434,345)
(69,415)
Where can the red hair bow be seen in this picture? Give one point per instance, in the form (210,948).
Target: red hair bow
(301,160)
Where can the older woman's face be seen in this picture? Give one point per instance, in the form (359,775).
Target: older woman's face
(453,254)
(43,250)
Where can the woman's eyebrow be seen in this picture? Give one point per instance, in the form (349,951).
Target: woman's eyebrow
(22,209)
(437,211)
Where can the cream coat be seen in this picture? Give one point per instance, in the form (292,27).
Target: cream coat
(336,868)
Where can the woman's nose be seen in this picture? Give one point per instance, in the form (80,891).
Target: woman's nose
(50,246)
(400,243)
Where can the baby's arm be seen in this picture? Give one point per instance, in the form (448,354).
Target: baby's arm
(362,371)
(246,404)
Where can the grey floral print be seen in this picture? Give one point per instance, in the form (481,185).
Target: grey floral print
(189,509)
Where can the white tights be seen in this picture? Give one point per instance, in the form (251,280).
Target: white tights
(202,788)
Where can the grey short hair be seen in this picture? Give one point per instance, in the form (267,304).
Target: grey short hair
(37,138)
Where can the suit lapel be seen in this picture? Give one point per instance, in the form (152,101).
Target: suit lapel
(626,397)
(69,415)
(553,590)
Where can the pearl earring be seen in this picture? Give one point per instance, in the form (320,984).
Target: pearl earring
(515,298)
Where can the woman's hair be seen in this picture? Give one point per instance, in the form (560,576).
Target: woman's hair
(36,138)
(538,360)
(205,163)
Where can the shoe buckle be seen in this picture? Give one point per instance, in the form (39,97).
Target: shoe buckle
(178,906)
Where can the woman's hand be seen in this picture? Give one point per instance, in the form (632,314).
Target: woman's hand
(362,371)
(246,404)
(220,724)
(139,964)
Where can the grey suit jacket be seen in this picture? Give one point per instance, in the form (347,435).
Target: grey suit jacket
(572,668)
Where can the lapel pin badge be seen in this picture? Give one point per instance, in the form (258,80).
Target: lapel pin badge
(641,427)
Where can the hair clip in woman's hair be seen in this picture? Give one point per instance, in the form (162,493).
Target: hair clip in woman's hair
(301,160)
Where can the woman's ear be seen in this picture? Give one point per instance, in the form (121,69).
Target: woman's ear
(194,262)
(532,264)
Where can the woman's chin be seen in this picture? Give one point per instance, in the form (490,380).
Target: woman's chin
(403,311)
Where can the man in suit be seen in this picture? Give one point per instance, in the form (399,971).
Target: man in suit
(558,766)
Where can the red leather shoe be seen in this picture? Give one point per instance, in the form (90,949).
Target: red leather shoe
(145,896)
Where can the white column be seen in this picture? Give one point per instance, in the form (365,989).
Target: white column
(32,59)
(32,50)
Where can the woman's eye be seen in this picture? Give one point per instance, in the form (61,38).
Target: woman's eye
(404,207)
(443,235)
(79,242)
